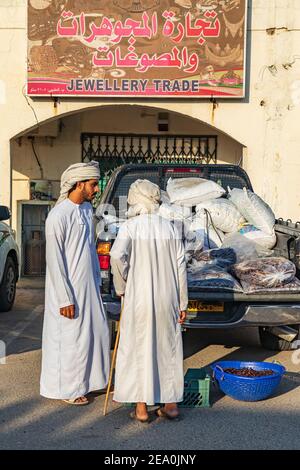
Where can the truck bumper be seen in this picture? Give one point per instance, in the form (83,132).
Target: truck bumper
(271,315)
(246,315)
(255,315)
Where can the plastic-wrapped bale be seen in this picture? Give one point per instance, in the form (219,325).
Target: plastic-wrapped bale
(290,287)
(265,272)
(224,214)
(213,277)
(263,239)
(244,248)
(219,257)
(253,209)
(192,245)
(191,191)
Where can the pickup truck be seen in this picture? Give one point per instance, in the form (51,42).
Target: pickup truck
(9,262)
(277,315)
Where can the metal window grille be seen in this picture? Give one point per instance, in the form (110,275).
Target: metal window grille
(112,150)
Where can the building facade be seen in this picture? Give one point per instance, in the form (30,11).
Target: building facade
(41,136)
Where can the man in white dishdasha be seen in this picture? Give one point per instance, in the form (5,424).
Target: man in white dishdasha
(75,347)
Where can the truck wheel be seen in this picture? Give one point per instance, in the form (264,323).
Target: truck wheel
(8,286)
(274,343)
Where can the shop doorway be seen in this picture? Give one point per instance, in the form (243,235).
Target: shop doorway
(33,244)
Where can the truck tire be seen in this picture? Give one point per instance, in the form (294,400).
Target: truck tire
(8,285)
(274,343)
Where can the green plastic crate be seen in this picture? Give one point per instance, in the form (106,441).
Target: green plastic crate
(196,389)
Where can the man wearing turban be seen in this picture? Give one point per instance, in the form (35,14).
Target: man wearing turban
(75,347)
(149,269)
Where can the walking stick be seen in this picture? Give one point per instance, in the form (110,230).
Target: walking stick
(113,359)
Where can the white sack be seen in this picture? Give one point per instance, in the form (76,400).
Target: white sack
(191,191)
(164,197)
(173,212)
(211,237)
(254,209)
(225,215)
(263,239)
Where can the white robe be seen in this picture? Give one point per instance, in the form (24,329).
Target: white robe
(148,265)
(75,353)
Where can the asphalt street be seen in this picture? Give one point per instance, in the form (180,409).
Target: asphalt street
(29,421)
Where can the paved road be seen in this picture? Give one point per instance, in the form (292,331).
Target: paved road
(30,422)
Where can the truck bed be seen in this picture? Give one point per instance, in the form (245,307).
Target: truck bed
(288,234)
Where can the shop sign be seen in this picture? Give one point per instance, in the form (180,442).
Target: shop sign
(137,48)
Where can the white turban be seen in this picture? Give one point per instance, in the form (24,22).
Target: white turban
(74,174)
(143,197)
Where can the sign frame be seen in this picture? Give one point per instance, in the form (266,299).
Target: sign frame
(114,90)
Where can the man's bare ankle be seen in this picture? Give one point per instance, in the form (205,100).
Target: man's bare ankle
(171,409)
(141,410)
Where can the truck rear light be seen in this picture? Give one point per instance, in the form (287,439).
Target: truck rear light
(103,248)
(104,261)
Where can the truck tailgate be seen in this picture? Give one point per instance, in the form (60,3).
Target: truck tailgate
(221,296)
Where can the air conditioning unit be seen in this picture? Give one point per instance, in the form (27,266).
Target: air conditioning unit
(45,130)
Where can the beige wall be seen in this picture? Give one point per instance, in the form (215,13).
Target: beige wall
(266,124)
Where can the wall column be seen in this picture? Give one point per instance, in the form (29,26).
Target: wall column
(5,173)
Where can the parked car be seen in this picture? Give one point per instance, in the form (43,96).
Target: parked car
(9,262)
(276,314)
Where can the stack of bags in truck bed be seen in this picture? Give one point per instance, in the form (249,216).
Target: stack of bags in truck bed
(227,238)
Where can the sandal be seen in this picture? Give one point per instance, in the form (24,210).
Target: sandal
(74,401)
(163,414)
(141,420)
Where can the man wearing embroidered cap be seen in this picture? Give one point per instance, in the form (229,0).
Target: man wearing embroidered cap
(75,348)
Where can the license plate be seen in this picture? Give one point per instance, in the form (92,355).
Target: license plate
(195,306)
(104,274)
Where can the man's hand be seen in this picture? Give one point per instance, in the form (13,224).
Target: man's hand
(68,312)
(182,316)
